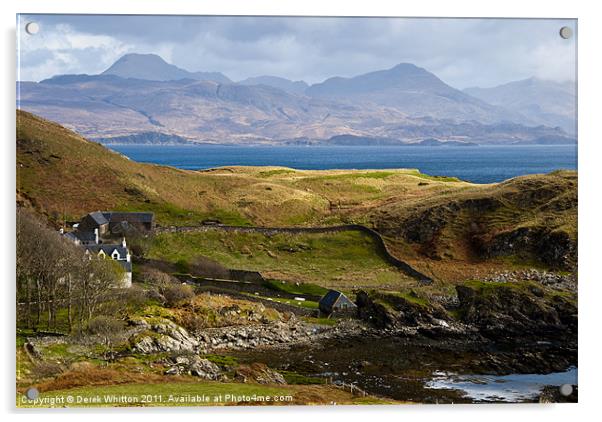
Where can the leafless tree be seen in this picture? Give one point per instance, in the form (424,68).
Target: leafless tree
(53,273)
(110,329)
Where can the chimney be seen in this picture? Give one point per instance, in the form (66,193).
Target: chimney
(96,236)
(62,231)
(128,257)
(123,243)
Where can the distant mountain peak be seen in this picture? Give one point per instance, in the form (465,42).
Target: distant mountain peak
(397,84)
(407,66)
(141,57)
(128,63)
(155,68)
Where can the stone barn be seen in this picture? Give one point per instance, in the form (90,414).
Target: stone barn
(335,302)
(116,223)
(94,221)
(121,222)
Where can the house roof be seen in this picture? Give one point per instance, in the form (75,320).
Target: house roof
(131,217)
(98,218)
(84,236)
(108,249)
(71,236)
(331,298)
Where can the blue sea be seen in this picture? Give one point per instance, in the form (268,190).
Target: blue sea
(479,164)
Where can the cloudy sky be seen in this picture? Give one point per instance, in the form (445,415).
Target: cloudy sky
(462,52)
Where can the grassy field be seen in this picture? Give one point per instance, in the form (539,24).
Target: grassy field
(344,260)
(304,304)
(296,289)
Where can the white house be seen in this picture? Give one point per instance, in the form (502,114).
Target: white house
(88,236)
(119,253)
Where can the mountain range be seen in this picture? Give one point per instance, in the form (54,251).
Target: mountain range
(543,102)
(143,99)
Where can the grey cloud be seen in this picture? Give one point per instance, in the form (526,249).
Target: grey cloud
(462,52)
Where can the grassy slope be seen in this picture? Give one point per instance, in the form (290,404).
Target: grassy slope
(537,201)
(341,260)
(58,171)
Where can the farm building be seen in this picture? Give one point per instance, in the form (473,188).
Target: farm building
(119,253)
(97,231)
(115,222)
(94,221)
(335,302)
(121,221)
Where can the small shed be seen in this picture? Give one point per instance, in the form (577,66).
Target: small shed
(336,302)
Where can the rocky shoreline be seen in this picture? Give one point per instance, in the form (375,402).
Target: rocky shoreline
(491,327)
(516,319)
(500,354)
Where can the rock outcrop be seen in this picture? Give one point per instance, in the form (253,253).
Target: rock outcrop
(195,366)
(159,335)
(390,310)
(512,310)
(498,311)
(553,248)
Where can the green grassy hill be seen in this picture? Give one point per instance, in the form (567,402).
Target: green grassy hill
(442,226)
(343,260)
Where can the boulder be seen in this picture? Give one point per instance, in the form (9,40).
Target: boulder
(204,368)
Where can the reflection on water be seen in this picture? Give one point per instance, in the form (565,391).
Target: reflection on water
(507,388)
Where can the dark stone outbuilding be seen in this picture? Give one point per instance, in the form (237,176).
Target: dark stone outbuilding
(120,222)
(115,222)
(94,221)
(336,302)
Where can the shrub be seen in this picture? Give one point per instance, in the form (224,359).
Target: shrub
(138,250)
(182,266)
(207,267)
(155,277)
(126,301)
(105,326)
(45,369)
(175,293)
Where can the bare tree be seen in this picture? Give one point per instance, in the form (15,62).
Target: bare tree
(97,277)
(110,329)
(53,273)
